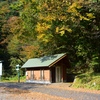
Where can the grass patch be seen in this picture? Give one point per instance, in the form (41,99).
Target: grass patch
(87,80)
(13,79)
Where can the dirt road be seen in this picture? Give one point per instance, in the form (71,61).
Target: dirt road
(24,91)
(17,94)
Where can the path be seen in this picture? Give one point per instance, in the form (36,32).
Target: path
(75,95)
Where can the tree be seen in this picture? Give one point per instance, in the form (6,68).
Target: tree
(56,26)
(5,36)
(67,27)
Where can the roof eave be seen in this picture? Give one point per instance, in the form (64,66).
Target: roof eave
(35,67)
(57,60)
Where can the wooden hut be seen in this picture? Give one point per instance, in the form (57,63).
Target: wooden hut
(47,69)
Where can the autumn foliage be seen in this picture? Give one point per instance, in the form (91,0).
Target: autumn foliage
(34,28)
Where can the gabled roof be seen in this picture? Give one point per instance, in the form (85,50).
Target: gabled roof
(46,61)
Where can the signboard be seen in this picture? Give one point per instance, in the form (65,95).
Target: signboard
(17,67)
(0,68)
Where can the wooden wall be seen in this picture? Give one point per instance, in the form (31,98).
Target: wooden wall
(38,74)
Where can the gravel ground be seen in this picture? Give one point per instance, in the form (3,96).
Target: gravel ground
(55,90)
(17,94)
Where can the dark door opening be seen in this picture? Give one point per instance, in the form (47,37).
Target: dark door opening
(53,75)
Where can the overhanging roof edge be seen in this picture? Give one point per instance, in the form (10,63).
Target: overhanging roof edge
(35,67)
(57,60)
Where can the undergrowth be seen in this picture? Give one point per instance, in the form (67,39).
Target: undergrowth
(13,79)
(87,80)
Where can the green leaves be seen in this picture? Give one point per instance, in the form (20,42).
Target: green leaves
(39,27)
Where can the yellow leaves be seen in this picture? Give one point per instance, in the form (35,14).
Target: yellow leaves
(45,40)
(63,29)
(41,27)
(73,18)
(74,12)
(40,36)
(62,32)
(47,17)
(83,18)
(44,37)
(69,30)
(4,9)
(57,29)
(33,0)
(62,18)
(71,10)
(73,7)
(90,15)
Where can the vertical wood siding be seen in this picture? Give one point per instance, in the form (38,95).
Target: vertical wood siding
(38,75)
(47,75)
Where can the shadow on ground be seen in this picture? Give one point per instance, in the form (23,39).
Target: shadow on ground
(23,86)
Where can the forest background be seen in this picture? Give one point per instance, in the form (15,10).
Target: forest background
(34,28)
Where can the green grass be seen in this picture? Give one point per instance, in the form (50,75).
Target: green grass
(88,81)
(13,79)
